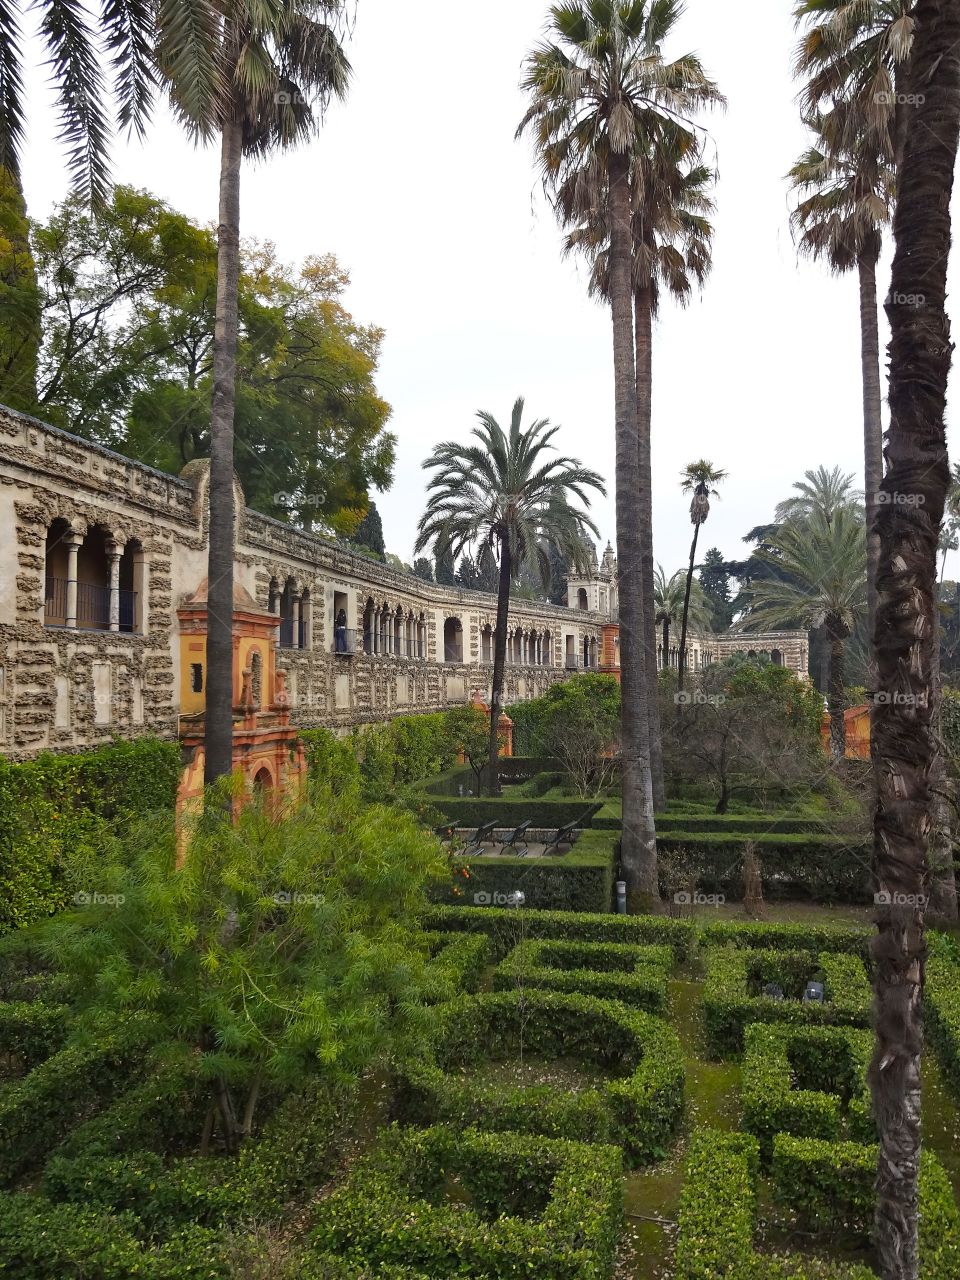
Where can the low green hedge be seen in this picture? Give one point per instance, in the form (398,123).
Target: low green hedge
(854,939)
(807,1081)
(734,978)
(797,867)
(457,963)
(742,825)
(523,1206)
(44,1241)
(941,1004)
(830,1185)
(717,1212)
(581,879)
(68,1087)
(473,811)
(506,927)
(611,970)
(640,1107)
(29,1033)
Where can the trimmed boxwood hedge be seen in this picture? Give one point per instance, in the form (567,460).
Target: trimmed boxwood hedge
(749,825)
(29,1033)
(941,1002)
(831,1185)
(457,962)
(536,1207)
(506,927)
(69,1086)
(581,879)
(788,937)
(716,1224)
(639,1108)
(636,975)
(729,1005)
(473,811)
(836,1058)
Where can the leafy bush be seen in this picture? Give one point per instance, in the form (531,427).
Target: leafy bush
(735,978)
(534,1207)
(781,1064)
(611,970)
(831,1185)
(57,811)
(788,937)
(640,1108)
(507,927)
(29,1033)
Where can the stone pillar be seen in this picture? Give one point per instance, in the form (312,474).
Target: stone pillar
(295,617)
(113,555)
(73,547)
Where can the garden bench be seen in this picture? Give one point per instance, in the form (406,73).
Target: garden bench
(516,841)
(564,835)
(482,836)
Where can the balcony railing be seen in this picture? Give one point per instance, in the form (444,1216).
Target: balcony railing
(384,646)
(572,662)
(93,606)
(344,641)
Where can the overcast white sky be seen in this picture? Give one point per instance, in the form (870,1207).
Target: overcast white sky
(418,187)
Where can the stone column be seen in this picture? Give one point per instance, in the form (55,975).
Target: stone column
(73,547)
(113,555)
(295,617)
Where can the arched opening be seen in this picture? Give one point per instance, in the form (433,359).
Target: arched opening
(93,579)
(452,640)
(776,657)
(421,629)
(384,619)
(486,644)
(256,680)
(398,645)
(263,788)
(570,657)
(751,653)
(131,589)
(369,619)
(291,624)
(306,621)
(585,652)
(582,598)
(546,650)
(57,568)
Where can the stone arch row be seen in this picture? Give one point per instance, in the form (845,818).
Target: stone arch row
(292,602)
(390,630)
(526,646)
(94,578)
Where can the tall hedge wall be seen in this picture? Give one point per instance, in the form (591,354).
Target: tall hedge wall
(58,805)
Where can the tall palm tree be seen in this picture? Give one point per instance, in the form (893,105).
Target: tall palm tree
(844,203)
(504,497)
(601,94)
(819,493)
(671,196)
(279,63)
(823,563)
(699,479)
(855,57)
(903,742)
(668,598)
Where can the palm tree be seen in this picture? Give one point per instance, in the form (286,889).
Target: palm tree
(279,65)
(601,96)
(503,497)
(855,56)
(819,493)
(672,242)
(699,479)
(823,563)
(904,746)
(668,598)
(844,203)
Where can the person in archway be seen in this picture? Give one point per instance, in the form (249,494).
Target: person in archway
(340,632)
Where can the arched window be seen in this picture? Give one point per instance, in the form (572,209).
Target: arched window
(776,657)
(452,640)
(291,623)
(93,579)
(398,645)
(486,644)
(546,651)
(369,619)
(131,589)
(581,599)
(60,538)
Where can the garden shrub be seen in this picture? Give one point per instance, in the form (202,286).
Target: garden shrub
(506,927)
(788,937)
(69,1086)
(735,978)
(806,1081)
(716,1223)
(457,962)
(29,1033)
(535,1207)
(580,880)
(56,808)
(831,1186)
(611,970)
(760,823)
(639,1107)
(941,1004)
(471,812)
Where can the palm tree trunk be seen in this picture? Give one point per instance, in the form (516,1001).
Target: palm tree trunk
(686,606)
(872,423)
(837,633)
(638,845)
(904,745)
(643,313)
(219,697)
(665,643)
(499,662)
